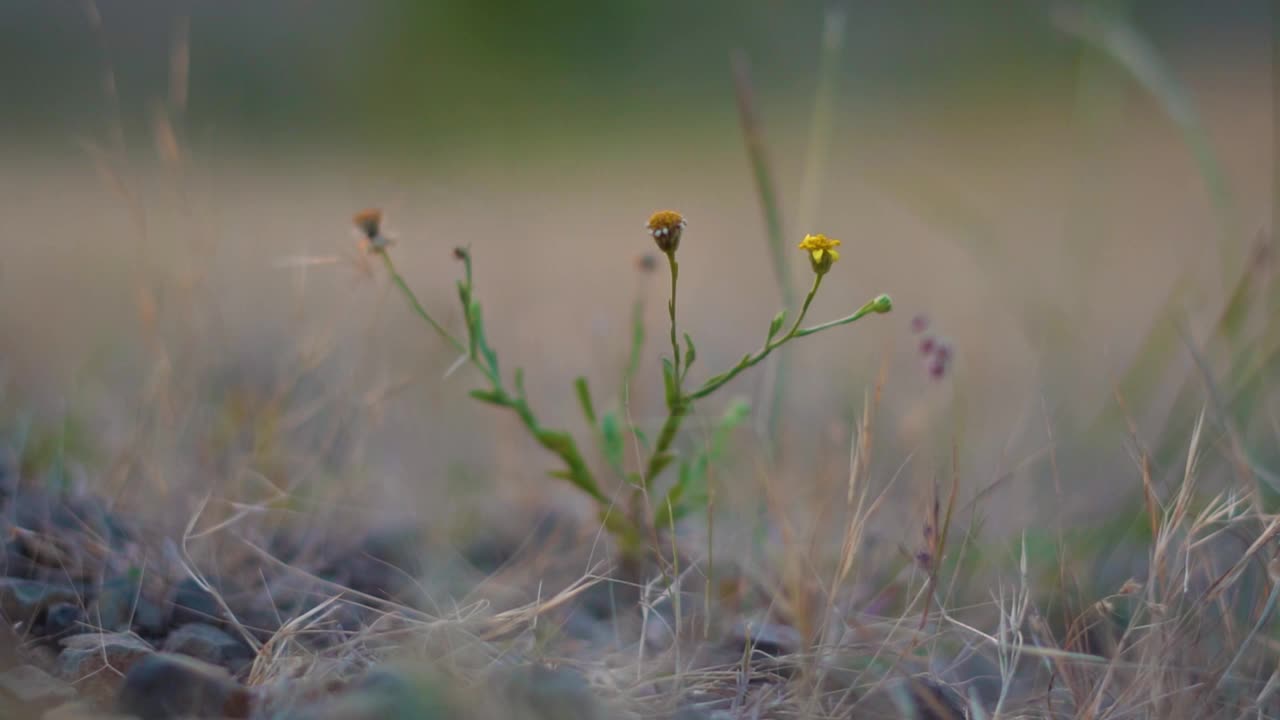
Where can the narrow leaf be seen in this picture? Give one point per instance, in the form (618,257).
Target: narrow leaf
(690,352)
(611,439)
(658,464)
(495,397)
(584,399)
(776,324)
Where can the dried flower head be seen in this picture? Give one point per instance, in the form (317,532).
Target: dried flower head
(368,222)
(461,253)
(938,369)
(666,226)
(822,252)
(940,360)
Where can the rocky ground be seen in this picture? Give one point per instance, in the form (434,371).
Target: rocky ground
(102,618)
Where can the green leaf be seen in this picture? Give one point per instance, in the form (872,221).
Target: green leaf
(494,397)
(637,345)
(481,342)
(658,464)
(668,509)
(468,307)
(612,440)
(584,399)
(690,352)
(776,324)
(714,379)
(689,494)
(733,416)
(555,440)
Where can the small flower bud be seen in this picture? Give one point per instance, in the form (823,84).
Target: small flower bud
(882,304)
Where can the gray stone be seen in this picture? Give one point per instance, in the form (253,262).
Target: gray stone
(122,605)
(208,643)
(163,685)
(690,712)
(26,600)
(193,604)
(33,687)
(381,693)
(766,638)
(80,710)
(540,693)
(86,656)
(64,619)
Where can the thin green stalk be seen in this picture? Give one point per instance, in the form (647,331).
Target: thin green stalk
(676,405)
(637,346)
(419,309)
(754,139)
(715,383)
(833,25)
(671,309)
(680,408)
(558,442)
(869,308)
(878,305)
(749,361)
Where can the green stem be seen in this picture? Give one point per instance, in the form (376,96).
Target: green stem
(718,381)
(417,306)
(671,308)
(677,412)
(666,436)
(861,312)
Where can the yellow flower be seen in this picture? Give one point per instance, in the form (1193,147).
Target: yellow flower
(822,252)
(666,226)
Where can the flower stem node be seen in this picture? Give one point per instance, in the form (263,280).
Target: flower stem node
(822,252)
(666,227)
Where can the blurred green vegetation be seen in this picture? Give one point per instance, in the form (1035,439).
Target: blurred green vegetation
(433,73)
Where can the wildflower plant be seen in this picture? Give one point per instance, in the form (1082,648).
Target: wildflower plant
(642,516)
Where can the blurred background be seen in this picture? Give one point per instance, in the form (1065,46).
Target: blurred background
(1046,184)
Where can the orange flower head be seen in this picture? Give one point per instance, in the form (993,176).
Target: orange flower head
(666,226)
(369,223)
